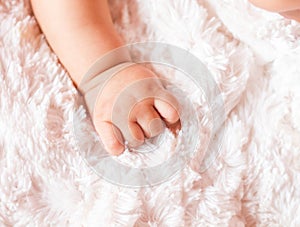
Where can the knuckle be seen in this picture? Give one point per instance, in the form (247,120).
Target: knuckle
(101,112)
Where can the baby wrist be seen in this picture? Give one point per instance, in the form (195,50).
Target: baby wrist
(101,71)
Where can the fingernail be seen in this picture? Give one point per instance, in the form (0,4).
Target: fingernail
(155,127)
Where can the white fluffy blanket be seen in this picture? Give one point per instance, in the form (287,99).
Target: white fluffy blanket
(255,57)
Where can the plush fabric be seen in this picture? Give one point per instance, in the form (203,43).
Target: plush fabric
(254,181)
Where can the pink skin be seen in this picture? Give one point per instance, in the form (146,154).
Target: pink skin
(287,8)
(80,32)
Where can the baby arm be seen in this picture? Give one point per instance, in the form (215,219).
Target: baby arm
(287,8)
(82,31)
(78,31)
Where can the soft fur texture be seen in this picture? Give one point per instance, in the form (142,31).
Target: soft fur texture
(254,56)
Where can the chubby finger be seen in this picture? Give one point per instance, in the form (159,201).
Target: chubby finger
(110,136)
(150,122)
(167,106)
(133,134)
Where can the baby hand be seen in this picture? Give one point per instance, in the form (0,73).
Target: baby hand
(132,106)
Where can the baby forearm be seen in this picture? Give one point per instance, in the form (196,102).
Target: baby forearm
(295,14)
(277,5)
(79,31)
